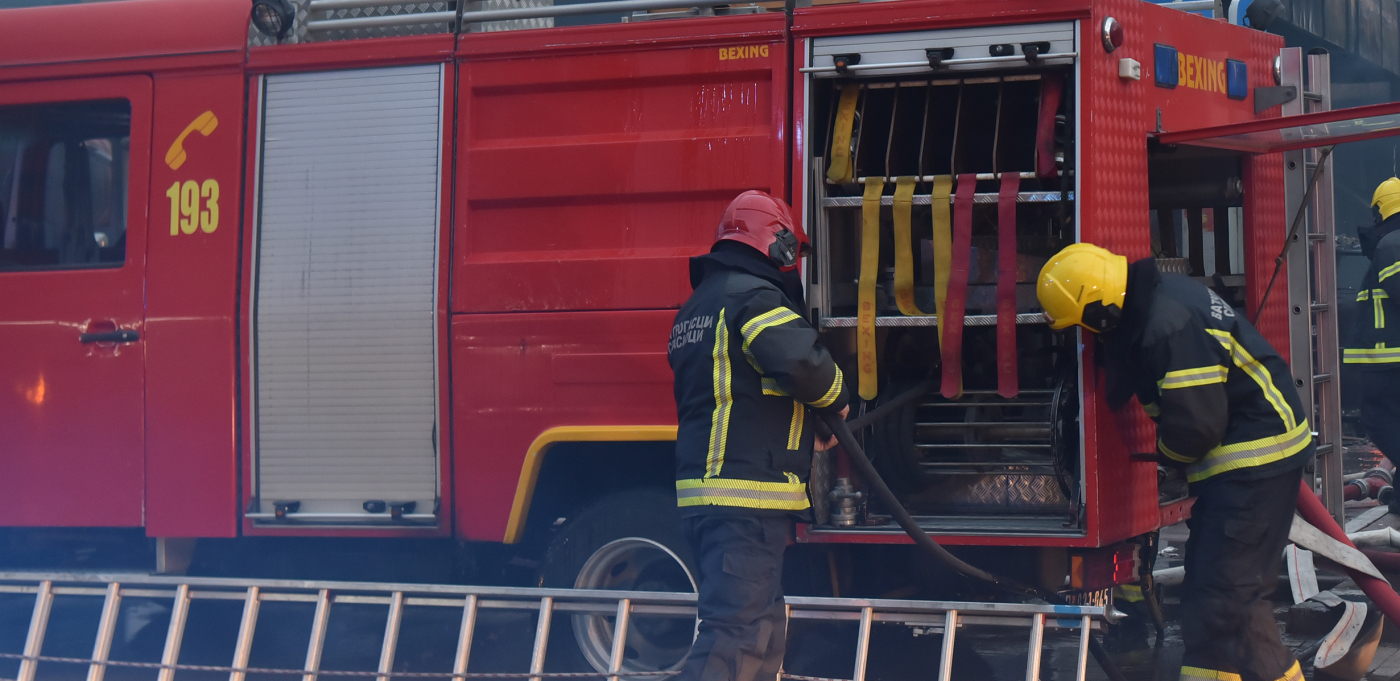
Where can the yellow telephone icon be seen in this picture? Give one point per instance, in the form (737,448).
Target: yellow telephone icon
(205,123)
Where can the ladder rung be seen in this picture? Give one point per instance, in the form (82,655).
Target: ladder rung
(950,630)
(1320,307)
(38,623)
(867,615)
(391,635)
(1324,449)
(317,642)
(1314,96)
(1314,236)
(179,611)
(106,628)
(1321,378)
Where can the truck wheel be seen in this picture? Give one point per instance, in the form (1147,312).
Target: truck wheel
(630,541)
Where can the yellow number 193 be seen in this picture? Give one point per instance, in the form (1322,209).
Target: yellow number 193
(185,213)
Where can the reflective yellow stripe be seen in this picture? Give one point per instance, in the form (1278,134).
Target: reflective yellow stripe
(865,293)
(724,400)
(1385,273)
(785,496)
(1377,296)
(1363,295)
(942,242)
(770,387)
(1131,593)
(1370,356)
(831,393)
(1255,370)
(773,317)
(1192,673)
(842,169)
(1152,409)
(904,247)
(1185,378)
(1294,673)
(1265,450)
(799,416)
(1161,446)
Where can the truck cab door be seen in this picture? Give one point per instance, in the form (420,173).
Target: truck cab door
(74,163)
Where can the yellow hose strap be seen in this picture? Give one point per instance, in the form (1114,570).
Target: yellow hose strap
(842,169)
(869,269)
(904,247)
(942,242)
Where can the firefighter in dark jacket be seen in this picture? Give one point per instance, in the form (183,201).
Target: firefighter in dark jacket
(1373,346)
(749,371)
(1226,410)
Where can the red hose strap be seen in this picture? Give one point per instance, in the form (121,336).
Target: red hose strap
(1007,382)
(952,321)
(1052,85)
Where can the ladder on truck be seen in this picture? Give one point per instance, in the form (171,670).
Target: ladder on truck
(1312,276)
(616,608)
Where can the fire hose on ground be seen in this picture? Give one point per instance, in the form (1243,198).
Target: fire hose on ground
(846,438)
(1376,589)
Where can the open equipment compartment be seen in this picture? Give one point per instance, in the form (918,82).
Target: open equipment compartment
(968,105)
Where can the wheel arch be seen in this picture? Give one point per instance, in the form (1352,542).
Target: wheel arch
(567,466)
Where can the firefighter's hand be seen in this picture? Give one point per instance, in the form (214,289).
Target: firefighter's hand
(824,443)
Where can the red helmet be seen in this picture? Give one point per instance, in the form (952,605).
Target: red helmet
(765,223)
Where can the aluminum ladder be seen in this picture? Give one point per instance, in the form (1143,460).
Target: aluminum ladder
(1312,278)
(932,616)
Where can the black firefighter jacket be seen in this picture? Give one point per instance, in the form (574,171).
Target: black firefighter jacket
(1374,341)
(747,369)
(1223,400)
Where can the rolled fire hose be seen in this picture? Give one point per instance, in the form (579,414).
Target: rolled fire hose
(1007,381)
(941,203)
(904,247)
(1380,593)
(843,433)
(951,321)
(869,385)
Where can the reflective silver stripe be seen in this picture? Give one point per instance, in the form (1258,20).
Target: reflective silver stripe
(1252,453)
(741,494)
(1370,356)
(791,495)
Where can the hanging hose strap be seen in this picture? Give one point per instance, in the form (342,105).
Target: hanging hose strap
(904,246)
(1007,383)
(1052,85)
(952,322)
(869,269)
(842,169)
(942,243)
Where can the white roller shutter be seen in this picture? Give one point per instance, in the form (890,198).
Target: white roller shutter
(345,291)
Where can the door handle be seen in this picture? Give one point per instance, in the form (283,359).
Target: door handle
(118,336)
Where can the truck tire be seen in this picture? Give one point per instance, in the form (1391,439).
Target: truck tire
(628,541)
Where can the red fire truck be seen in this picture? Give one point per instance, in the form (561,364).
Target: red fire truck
(406,271)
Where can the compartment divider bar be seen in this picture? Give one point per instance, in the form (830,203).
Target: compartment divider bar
(925,200)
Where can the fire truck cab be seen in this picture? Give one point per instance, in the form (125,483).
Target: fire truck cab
(407,271)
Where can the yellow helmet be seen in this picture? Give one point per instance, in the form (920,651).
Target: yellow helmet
(1085,285)
(1387,197)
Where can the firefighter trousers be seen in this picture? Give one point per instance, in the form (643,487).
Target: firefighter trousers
(1380,409)
(743,620)
(1233,557)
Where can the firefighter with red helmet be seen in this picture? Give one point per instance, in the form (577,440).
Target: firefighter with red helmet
(748,371)
(1226,410)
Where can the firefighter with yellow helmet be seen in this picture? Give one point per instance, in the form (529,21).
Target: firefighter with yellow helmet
(1373,344)
(1226,410)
